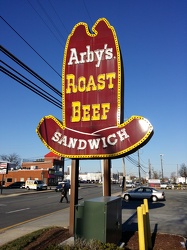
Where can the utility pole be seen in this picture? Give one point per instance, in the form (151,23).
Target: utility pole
(149,169)
(124,175)
(161,162)
(139,166)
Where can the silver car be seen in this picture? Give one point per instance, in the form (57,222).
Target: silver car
(144,193)
(130,185)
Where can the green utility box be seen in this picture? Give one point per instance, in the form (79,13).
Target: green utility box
(100,219)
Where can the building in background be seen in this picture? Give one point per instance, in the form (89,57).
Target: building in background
(50,170)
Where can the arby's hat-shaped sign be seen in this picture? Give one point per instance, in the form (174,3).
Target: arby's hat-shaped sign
(92,100)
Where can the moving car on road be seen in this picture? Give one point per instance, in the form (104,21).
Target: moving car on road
(130,185)
(144,193)
(166,185)
(59,187)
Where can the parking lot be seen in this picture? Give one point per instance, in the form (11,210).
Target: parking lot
(168,216)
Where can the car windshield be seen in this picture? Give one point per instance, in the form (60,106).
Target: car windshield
(40,182)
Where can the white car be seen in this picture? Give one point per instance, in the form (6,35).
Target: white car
(166,185)
(130,185)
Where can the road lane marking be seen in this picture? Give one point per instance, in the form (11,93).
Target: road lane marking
(30,220)
(15,211)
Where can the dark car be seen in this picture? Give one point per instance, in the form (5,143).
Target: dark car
(144,193)
(17,184)
(59,187)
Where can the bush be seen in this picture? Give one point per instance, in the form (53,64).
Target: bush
(81,244)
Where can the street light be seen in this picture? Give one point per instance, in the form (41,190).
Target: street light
(162,171)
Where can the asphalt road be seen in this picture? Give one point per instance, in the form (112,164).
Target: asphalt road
(169,216)
(32,204)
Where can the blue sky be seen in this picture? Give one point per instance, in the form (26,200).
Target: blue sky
(152,37)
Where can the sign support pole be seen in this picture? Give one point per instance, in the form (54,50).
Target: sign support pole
(74,193)
(107,177)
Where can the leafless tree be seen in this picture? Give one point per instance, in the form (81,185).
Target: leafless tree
(173,177)
(183,171)
(13,158)
(155,175)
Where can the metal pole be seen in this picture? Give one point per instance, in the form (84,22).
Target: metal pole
(124,175)
(139,166)
(161,161)
(149,169)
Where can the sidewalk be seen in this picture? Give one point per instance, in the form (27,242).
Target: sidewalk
(59,218)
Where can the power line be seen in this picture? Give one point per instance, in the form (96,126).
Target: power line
(46,24)
(31,47)
(27,85)
(51,21)
(15,59)
(53,98)
(58,16)
(88,12)
(27,82)
(143,170)
(135,163)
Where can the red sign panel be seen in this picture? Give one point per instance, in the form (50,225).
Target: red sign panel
(92,78)
(91,94)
